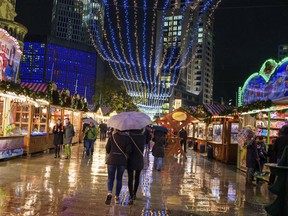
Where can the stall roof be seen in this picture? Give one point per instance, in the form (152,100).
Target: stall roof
(37,87)
(213,109)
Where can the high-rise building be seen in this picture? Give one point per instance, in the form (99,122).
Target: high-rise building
(196,78)
(282,51)
(62,51)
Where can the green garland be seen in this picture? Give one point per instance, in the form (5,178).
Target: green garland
(63,99)
(7,86)
(257,105)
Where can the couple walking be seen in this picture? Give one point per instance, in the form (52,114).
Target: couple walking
(125,150)
(63,135)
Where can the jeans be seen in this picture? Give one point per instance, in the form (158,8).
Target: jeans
(89,144)
(133,190)
(111,177)
(158,163)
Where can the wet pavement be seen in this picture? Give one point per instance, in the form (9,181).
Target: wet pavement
(42,185)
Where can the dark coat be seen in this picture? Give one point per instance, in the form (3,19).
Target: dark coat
(58,131)
(115,156)
(183,134)
(158,148)
(280,143)
(136,160)
(68,134)
(251,156)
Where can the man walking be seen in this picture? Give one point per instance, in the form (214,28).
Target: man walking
(183,136)
(90,134)
(68,136)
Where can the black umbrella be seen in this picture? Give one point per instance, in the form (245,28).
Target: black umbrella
(160,128)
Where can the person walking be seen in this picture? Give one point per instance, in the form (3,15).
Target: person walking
(58,131)
(118,149)
(68,136)
(158,149)
(252,161)
(90,135)
(183,136)
(103,131)
(135,161)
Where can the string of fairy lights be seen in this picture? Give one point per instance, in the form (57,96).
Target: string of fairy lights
(132,42)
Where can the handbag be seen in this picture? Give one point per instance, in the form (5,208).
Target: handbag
(119,147)
(135,144)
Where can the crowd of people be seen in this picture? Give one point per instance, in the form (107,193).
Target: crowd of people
(257,154)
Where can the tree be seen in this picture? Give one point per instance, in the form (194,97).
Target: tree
(112,93)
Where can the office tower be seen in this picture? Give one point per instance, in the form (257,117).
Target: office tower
(62,52)
(195,85)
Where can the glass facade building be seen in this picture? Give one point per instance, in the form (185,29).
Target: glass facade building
(67,67)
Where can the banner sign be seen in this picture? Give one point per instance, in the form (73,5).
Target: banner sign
(10,55)
(11,146)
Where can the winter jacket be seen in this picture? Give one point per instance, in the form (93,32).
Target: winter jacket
(280,143)
(160,141)
(251,156)
(91,133)
(58,131)
(183,134)
(115,156)
(136,160)
(68,134)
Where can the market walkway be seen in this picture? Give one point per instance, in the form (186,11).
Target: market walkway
(42,185)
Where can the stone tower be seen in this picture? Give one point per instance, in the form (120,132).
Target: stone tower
(7,15)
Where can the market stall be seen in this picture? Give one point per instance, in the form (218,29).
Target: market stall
(211,130)
(263,103)
(175,121)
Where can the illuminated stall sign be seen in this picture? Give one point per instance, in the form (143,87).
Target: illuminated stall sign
(10,55)
(269,84)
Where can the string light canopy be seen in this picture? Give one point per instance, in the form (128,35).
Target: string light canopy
(137,46)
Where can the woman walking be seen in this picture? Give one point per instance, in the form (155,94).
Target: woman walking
(158,149)
(135,161)
(58,131)
(118,149)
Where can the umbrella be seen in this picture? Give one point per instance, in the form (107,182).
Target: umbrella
(160,128)
(88,120)
(129,121)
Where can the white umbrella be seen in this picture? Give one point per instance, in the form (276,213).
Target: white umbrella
(88,120)
(129,121)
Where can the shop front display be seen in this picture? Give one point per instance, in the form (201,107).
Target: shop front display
(76,121)
(217,141)
(264,103)
(232,144)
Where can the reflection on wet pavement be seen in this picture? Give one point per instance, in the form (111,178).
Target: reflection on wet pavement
(42,185)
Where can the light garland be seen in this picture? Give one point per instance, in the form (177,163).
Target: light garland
(143,77)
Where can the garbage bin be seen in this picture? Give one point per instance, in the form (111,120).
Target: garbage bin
(202,148)
(195,146)
(209,152)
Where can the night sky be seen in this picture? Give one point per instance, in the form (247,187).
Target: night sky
(247,32)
